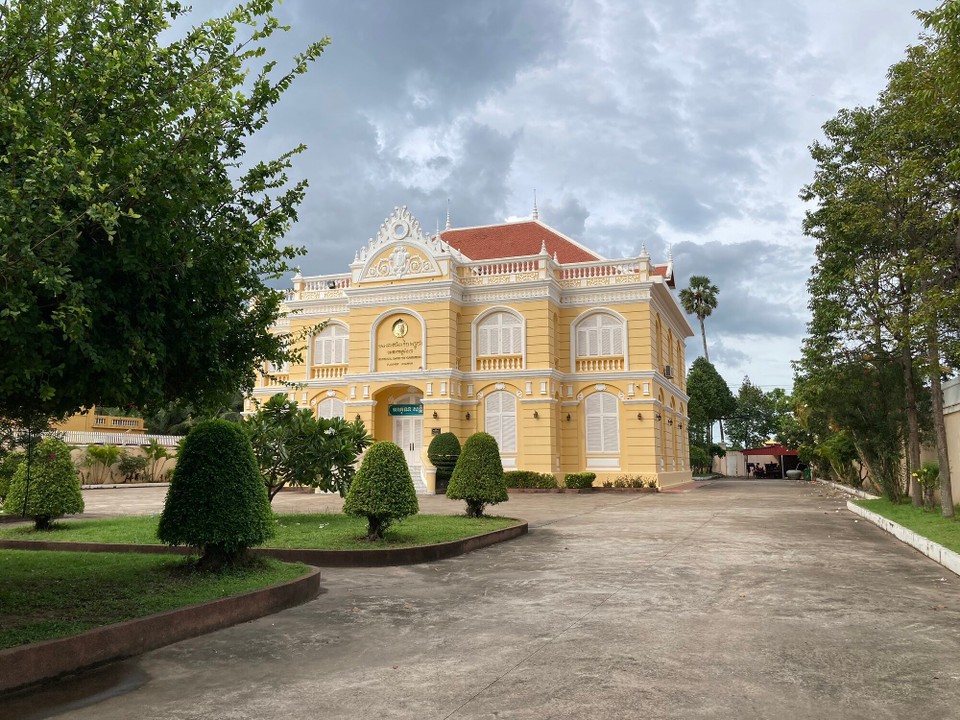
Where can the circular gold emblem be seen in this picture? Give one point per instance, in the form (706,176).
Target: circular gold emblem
(400,328)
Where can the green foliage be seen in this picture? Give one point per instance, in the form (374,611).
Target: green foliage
(8,467)
(443,452)
(928,477)
(634,481)
(132,467)
(757,415)
(710,399)
(478,476)
(579,480)
(217,500)
(529,479)
(382,491)
(156,456)
(101,459)
(293,447)
(52,488)
(700,460)
(133,230)
(700,299)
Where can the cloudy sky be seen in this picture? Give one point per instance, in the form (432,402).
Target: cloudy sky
(681,124)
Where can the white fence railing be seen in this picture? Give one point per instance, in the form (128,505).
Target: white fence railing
(76,437)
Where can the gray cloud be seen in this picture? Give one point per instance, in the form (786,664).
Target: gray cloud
(680,125)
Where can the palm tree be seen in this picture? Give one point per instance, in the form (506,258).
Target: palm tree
(700,299)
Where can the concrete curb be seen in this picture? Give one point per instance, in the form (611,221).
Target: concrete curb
(849,490)
(123,486)
(31,664)
(318,558)
(936,552)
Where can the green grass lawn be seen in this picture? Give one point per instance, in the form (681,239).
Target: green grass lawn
(930,524)
(319,531)
(46,595)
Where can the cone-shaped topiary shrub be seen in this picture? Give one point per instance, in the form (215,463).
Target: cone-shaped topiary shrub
(8,466)
(382,490)
(217,500)
(444,450)
(54,485)
(478,477)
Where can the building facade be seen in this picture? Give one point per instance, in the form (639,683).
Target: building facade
(571,361)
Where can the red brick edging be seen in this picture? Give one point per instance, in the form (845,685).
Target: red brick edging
(30,664)
(320,558)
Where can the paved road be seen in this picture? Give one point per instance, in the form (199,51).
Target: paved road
(762,599)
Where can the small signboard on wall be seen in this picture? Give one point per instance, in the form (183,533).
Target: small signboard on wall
(406,409)
(434,431)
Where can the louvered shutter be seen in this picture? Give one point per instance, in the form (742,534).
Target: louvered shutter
(493,415)
(594,415)
(483,340)
(581,342)
(508,423)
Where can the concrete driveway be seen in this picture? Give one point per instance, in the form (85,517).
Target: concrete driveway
(750,599)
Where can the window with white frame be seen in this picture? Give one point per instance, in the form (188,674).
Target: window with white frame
(603,423)
(600,335)
(501,420)
(332,346)
(500,333)
(331,408)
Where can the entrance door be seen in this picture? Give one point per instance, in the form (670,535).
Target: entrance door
(408,434)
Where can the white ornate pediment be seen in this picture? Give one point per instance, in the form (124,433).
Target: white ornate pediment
(399,261)
(401,250)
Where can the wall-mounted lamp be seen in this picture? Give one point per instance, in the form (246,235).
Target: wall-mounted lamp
(639,416)
(358,417)
(658,417)
(468,416)
(568,417)
(680,426)
(435,416)
(670,421)
(536,415)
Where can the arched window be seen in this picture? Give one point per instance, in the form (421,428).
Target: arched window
(501,420)
(332,346)
(500,333)
(331,407)
(603,423)
(600,335)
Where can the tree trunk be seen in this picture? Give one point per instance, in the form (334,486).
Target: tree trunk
(939,428)
(703,334)
(913,427)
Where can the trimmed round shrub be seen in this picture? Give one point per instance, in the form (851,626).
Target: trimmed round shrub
(54,487)
(478,477)
(382,490)
(443,452)
(217,500)
(529,479)
(8,466)
(579,481)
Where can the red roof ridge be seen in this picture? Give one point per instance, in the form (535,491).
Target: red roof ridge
(569,251)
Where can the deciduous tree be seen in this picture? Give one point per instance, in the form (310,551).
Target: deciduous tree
(135,237)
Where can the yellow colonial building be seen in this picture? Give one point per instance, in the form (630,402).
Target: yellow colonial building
(571,361)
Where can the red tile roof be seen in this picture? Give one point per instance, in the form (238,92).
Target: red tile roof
(516,240)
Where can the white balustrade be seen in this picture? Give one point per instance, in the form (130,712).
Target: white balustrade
(500,362)
(600,364)
(328,372)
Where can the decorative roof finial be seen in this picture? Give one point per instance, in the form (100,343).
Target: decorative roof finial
(543,248)
(536,212)
(643,251)
(447,227)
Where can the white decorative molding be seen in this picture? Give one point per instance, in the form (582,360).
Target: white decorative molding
(396,262)
(600,387)
(499,386)
(572,299)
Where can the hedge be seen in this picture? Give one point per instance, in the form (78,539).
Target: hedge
(529,479)
(579,480)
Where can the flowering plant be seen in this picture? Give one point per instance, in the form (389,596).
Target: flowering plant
(928,475)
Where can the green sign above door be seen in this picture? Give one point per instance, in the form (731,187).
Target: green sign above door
(411,409)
